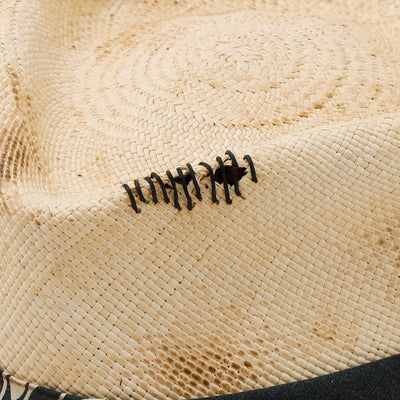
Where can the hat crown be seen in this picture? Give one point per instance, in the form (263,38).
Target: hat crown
(280,267)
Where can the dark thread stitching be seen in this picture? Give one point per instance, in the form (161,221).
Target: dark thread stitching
(228,175)
(252,169)
(163,187)
(139,191)
(185,178)
(235,172)
(212,179)
(152,189)
(225,180)
(185,189)
(132,198)
(196,184)
(176,200)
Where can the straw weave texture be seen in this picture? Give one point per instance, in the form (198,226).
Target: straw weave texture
(298,277)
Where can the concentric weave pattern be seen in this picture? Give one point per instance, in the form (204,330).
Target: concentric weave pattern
(299,277)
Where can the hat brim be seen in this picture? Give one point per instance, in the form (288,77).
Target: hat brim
(376,380)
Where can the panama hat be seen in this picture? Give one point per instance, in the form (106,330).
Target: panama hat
(199,198)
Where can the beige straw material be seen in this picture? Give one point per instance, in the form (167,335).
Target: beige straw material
(298,277)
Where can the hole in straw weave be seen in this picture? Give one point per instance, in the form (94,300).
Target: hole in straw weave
(229,171)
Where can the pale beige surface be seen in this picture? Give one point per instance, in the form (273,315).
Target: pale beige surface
(299,278)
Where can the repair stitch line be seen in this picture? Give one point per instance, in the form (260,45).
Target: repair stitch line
(225,174)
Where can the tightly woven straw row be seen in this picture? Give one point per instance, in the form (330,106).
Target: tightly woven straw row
(298,277)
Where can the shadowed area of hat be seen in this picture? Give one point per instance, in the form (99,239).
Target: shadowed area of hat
(298,278)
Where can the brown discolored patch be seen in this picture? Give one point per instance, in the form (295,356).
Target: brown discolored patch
(235,366)
(16,153)
(206,383)
(196,377)
(19,152)
(199,370)
(318,106)
(381,241)
(209,370)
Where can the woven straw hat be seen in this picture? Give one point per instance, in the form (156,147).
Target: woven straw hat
(197,197)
